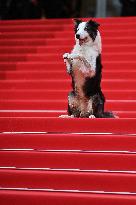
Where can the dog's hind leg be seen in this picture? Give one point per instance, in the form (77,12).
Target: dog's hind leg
(86,108)
(73,105)
(90,108)
(70,110)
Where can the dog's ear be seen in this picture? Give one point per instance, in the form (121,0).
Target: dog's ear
(92,27)
(93,24)
(76,23)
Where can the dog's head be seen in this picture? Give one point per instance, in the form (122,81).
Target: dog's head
(85,31)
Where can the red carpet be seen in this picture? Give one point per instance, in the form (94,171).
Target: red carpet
(53,161)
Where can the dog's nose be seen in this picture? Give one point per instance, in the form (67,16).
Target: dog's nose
(77,36)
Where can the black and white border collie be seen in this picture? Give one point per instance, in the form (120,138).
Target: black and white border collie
(86,100)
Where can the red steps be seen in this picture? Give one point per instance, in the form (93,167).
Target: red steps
(19,35)
(26,28)
(37,22)
(34,87)
(68,160)
(45,113)
(33,197)
(62,125)
(61,180)
(88,142)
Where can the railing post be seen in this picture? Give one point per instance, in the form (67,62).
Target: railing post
(101,8)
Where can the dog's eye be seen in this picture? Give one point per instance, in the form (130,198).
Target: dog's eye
(86,28)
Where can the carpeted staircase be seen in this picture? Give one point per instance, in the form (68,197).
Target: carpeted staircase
(47,160)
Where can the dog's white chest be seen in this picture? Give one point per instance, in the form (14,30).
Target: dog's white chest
(89,54)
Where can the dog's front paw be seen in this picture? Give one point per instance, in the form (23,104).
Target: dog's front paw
(66,56)
(91,116)
(71,56)
(74,56)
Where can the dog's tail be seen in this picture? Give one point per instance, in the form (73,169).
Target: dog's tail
(108,114)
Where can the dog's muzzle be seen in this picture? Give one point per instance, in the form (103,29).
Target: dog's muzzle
(82,41)
(77,36)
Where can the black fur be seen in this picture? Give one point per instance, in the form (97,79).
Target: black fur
(92,85)
(91,28)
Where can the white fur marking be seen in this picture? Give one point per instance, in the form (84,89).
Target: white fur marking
(81,30)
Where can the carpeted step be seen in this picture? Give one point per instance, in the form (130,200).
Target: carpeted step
(61,180)
(60,125)
(19,35)
(60,198)
(23,42)
(84,142)
(68,160)
(40,22)
(46,113)
(35,28)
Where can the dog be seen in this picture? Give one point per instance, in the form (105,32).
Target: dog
(86,100)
